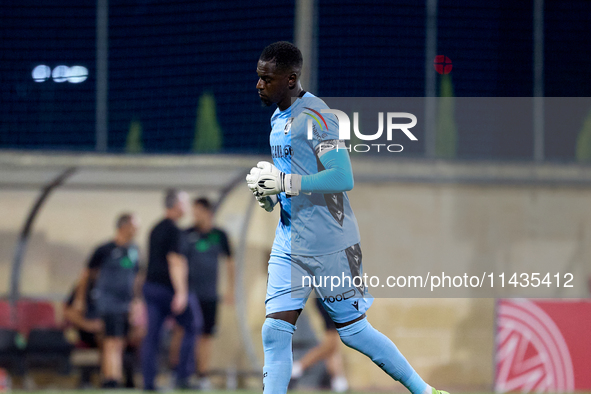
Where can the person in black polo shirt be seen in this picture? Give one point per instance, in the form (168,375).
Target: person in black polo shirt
(166,292)
(113,269)
(206,244)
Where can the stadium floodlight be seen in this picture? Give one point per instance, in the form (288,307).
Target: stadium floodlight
(74,74)
(41,73)
(77,74)
(60,74)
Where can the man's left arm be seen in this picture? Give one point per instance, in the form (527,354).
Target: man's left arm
(337,175)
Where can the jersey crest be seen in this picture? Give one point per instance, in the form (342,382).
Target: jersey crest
(287,127)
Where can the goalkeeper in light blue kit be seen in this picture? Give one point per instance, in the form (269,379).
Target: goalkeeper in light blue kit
(317,234)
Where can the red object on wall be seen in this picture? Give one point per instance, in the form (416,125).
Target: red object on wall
(543,346)
(442,64)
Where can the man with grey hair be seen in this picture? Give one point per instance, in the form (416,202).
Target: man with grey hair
(166,291)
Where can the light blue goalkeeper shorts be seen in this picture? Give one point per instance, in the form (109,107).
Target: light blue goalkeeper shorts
(336,278)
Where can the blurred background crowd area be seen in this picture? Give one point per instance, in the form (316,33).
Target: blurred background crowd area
(180,75)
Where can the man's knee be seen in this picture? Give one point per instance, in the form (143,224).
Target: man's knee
(192,328)
(153,332)
(348,331)
(191,321)
(274,332)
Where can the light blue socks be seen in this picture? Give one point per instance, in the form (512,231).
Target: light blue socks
(277,335)
(362,337)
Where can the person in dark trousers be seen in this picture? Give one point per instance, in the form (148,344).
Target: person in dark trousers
(206,244)
(112,269)
(166,292)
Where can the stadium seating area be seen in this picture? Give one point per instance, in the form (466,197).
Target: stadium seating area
(31,338)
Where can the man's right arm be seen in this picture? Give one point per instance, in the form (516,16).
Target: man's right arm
(77,318)
(89,274)
(178,270)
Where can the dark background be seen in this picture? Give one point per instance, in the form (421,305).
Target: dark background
(164,54)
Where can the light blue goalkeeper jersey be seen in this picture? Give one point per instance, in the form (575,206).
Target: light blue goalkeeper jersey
(314,224)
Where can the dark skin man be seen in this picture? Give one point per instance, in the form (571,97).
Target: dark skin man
(277,86)
(280,86)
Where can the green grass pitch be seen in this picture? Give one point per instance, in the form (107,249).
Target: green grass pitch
(211,392)
(190,391)
(172,392)
(167,392)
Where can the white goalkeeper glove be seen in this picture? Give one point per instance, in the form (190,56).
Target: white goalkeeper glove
(266,180)
(267,202)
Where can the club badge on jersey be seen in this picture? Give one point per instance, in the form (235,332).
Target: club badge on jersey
(287,127)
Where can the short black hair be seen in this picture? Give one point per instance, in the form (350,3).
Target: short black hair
(285,55)
(204,202)
(123,219)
